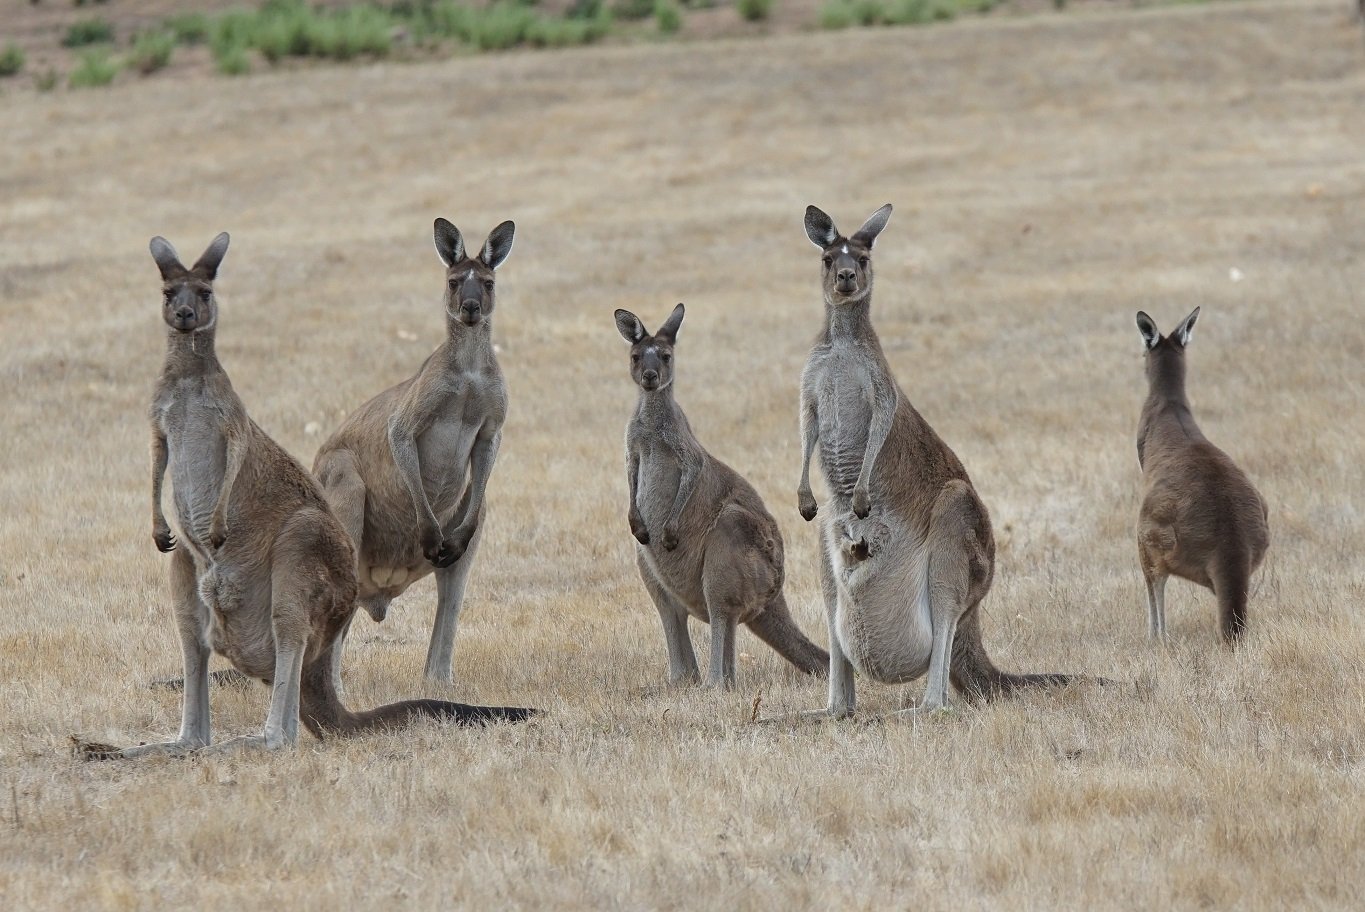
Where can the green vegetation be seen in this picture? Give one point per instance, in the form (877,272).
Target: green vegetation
(151,52)
(46,81)
(96,68)
(232,60)
(755,10)
(190,28)
(11,60)
(633,9)
(667,16)
(91,31)
(838,14)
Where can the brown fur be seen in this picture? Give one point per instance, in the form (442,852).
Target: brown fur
(706,545)
(1201,518)
(262,572)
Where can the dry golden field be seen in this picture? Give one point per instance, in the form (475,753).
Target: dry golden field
(1052,175)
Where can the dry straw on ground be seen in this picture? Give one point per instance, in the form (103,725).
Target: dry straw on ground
(1051,177)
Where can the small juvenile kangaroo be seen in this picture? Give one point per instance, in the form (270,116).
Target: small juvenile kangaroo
(262,572)
(908,553)
(1201,518)
(707,547)
(407,471)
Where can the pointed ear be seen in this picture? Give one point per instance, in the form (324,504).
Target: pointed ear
(167,260)
(1186,328)
(207,264)
(498,245)
(820,228)
(1150,335)
(449,243)
(669,330)
(873,226)
(630,327)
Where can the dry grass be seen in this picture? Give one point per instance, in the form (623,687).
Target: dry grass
(1051,178)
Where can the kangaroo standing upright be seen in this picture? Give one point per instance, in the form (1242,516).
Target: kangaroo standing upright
(1201,517)
(406,473)
(262,572)
(707,547)
(907,552)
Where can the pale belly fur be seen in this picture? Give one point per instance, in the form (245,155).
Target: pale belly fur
(882,617)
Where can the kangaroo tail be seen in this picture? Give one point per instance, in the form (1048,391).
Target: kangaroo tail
(975,675)
(1231,584)
(776,628)
(321,710)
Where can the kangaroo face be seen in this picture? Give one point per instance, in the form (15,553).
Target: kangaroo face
(651,357)
(846,262)
(188,304)
(470,292)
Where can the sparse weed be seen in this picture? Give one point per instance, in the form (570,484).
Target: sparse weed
(96,68)
(11,60)
(89,31)
(667,16)
(755,10)
(151,52)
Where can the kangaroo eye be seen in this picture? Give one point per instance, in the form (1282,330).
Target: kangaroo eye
(863,261)
(488,285)
(204,295)
(665,357)
(634,359)
(454,285)
(168,294)
(829,261)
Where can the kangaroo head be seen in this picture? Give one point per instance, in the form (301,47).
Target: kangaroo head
(846,261)
(651,357)
(470,283)
(188,304)
(1165,355)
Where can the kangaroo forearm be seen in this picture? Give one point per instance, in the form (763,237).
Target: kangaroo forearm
(409,467)
(687,484)
(810,436)
(633,478)
(485,454)
(877,433)
(236,455)
(160,459)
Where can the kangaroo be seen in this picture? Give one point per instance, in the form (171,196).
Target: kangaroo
(707,547)
(407,471)
(907,551)
(262,572)
(1201,518)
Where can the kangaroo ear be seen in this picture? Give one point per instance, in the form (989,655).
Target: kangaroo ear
(1150,335)
(1186,328)
(630,327)
(820,228)
(207,264)
(669,330)
(449,243)
(498,245)
(873,226)
(167,260)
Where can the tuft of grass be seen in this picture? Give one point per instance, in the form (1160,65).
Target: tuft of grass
(47,80)
(233,60)
(755,10)
(151,52)
(633,9)
(667,16)
(837,14)
(11,60)
(189,28)
(87,32)
(96,68)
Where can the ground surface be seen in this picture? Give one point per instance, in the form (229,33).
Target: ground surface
(1050,176)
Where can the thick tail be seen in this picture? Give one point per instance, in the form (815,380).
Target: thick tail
(975,675)
(776,628)
(321,710)
(1231,584)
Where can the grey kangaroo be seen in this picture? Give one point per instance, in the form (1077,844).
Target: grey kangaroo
(907,551)
(707,547)
(1201,518)
(261,572)
(407,471)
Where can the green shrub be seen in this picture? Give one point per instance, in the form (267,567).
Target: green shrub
(190,28)
(232,60)
(151,52)
(91,31)
(585,9)
(633,9)
(548,32)
(96,68)
(667,16)
(755,10)
(915,12)
(46,81)
(837,14)
(11,60)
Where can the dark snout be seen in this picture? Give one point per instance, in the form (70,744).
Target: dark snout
(649,379)
(471,312)
(183,317)
(846,281)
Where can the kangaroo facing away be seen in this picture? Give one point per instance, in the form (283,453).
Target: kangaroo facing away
(1201,518)
(907,551)
(262,572)
(707,547)
(407,471)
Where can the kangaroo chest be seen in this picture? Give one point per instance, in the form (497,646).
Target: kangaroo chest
(841,379)
(444,448)
(192,421)
(657,486)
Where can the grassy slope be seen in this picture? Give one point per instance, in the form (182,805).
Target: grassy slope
(1050,177)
